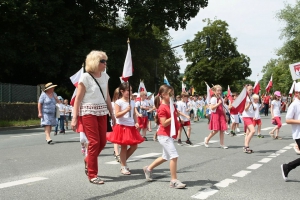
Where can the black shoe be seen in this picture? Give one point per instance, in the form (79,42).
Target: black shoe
(55,133)
(284,171)
(189,142)
(49,141)
(145,138)
(179,142)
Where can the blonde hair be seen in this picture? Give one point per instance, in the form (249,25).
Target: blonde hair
(255,96)
(116,95)
(214,89)
(92,60)
(143,93)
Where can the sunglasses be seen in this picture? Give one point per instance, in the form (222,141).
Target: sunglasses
(103,61)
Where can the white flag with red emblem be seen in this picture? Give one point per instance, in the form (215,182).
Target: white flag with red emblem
(127,69)
(142,87)
(209,93)
(295,70)
(270,84)
(75,79)
(240,101)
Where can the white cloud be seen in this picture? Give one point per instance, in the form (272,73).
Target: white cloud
(252,22)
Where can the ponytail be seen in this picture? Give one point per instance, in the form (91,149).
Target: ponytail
(156,104)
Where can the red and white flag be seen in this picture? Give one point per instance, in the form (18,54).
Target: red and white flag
(292,89)
(209,93)
(75,79)
(256,87)
(240,101)
(142,87)
(127,69)
(270,84)
(229,96)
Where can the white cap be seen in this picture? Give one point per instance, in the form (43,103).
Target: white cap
(135,94)
(297,87)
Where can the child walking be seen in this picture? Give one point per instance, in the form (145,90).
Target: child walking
(234,115)
(293,118)
(142,108)
(125,131)
(256,119)
(163,119)
(275,112)
(183,110)
(217,118)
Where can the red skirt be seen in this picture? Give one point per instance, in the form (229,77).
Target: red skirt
(124,135)
(217,122)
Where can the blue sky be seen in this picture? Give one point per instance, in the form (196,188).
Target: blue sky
(252,22)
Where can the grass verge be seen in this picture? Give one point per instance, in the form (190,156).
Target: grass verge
(20,123)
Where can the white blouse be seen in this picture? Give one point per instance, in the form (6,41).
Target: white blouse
(93,102)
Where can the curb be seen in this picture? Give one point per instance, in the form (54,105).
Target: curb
(19,127)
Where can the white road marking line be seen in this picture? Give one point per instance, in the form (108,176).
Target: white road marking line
(205,193)
(280,151)
(268,128)
(240,134)
(27,135)
(193,145)
(274,154)
(265,160)
(147,155)
(75,138)
(254,166)
(287,147)
(241,173)
(135,158)
(20,182)
(283,124)
(225,183)
(293,144)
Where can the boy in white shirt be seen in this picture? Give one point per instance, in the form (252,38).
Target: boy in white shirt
(293,118)
(184,110)
(61,116)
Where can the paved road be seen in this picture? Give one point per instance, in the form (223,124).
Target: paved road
(32,169)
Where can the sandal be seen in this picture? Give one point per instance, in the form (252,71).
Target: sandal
(247,150)
(97,181)
(85,168)
(271,134)
(125,171)
(277,138)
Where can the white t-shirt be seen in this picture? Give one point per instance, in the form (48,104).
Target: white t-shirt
(126,119)
(61,109)
(276,108)
(150,104)
(213,101)
(93,102)
(250,111)
(67,109)
(293,112)
(256,112)
(138,105)
(183,108)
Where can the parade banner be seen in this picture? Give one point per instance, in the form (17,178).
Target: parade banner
(295,70)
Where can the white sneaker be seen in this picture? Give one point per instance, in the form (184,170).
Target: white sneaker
(205,144)
(296,149)
(238,130)
(226,132)
(223,147)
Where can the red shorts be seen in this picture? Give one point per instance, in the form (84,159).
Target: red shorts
(247,121)
(143,122)
(256,122)
(187,123)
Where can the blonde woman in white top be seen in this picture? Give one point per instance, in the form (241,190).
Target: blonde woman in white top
(91,109)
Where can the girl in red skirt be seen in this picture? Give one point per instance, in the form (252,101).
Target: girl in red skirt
(125,131)
(217,117)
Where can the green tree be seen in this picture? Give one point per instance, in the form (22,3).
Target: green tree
(43,41)
(221,63)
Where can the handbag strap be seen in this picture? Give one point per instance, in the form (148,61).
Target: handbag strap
(98,86)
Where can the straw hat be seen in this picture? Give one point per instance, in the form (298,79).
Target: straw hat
(48,86)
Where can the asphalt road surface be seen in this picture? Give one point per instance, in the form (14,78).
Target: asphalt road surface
(32,169)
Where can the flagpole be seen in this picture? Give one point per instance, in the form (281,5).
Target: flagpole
(128,41)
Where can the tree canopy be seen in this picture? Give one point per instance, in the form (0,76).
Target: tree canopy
(221,63)
(47,41)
